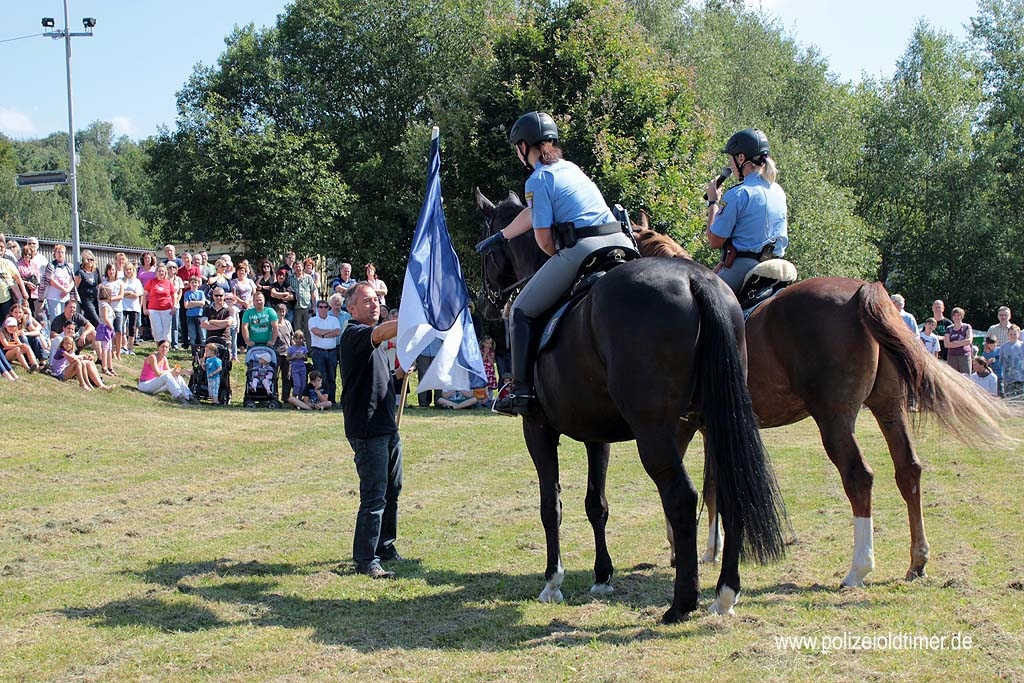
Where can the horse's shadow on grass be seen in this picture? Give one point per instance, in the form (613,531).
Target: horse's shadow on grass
(482,611)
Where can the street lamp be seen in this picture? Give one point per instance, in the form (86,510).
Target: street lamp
(88,23)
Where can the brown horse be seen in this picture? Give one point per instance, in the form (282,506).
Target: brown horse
(823,348)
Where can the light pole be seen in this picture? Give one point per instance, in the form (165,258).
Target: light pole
(88,23)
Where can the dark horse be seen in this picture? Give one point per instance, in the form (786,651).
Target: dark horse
(655,340)
(823,348)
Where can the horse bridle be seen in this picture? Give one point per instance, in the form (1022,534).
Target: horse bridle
(497,297)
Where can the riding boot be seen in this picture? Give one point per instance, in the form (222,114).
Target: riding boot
(519,400)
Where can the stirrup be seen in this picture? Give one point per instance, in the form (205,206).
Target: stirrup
(512,404)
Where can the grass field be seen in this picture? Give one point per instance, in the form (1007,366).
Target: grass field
(145,541)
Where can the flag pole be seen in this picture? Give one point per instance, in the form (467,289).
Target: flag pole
(401,400)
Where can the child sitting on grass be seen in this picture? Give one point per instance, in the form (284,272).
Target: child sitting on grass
(313,399)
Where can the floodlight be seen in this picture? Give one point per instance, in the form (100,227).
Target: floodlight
(88,22)
(48,22)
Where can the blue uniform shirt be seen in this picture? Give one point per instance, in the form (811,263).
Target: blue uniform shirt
(562,193)
(753,214)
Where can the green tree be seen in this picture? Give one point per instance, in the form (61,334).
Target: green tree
(626,115)
(997,203)
(915,182)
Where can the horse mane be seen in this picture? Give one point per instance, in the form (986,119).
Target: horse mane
(653,243)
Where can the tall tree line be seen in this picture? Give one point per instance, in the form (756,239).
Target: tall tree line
(312,133)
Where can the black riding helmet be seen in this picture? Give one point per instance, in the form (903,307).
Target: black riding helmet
(751,143)
(533,128)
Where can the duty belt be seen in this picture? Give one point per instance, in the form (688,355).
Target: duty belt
(566,234)
(766,253)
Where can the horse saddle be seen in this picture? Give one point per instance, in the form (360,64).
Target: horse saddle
(593,268)
(764,281)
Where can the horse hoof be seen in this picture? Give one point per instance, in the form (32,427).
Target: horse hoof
(852,583)
(724,601)
(602,589)
(708,558)
(674,616)
(550,595)
(914,574)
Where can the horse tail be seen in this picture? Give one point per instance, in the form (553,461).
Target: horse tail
(963,408)
(739,461)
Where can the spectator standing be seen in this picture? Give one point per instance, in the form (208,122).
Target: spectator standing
(243,287)
(1001,330)
(158,303)
(169,252)
(1011,356)
(305,294)
(87,284)
(265,278)
(147,268)
(959,343)
(113,287)
(194,301)
(206,269)
(930,339)
(285,332)
(376,283)
(324,333)
(132,306)
(28,269)
(282,292)
(259,323)
(344,281)
(179,288)
(942,323)
(214,367)
(908,318)
(368,403)
(58,283)
(218,318)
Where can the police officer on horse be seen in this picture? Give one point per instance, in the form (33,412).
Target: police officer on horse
(570,220)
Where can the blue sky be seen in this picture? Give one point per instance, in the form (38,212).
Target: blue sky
(143,52)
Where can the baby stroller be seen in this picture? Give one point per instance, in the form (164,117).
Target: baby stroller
(198,384)
(261,377)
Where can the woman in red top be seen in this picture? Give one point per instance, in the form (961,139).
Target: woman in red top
(158,304)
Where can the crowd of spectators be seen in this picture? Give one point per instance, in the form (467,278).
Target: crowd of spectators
(188,301)
(997,366)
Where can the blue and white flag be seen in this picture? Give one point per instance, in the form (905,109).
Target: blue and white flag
(435,299)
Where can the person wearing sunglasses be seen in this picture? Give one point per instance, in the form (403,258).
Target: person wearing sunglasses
(87,284)
(217,318)
(324,333)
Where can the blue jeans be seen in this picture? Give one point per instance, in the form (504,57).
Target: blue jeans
(379,466)
(196,334)
(326,362)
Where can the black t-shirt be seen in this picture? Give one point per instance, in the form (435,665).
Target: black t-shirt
(211,313)
(942,326)
(368,396)
(89,287)
(79,320)
(281,287)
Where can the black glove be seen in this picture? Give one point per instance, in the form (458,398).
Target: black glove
(492,243)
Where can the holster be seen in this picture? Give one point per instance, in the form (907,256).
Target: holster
(564,235)
(728,257)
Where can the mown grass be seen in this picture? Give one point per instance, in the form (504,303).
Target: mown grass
(142,540)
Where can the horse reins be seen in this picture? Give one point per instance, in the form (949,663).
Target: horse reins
(496,297)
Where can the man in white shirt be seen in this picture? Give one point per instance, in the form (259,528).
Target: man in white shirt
(324,333)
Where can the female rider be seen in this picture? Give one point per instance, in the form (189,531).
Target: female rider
(560,201)
(752,214)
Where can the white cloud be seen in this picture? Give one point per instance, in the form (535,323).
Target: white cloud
(16,124)
(124,125)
